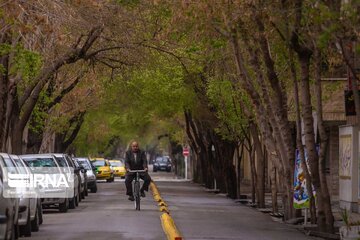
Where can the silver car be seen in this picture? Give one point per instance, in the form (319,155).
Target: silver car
(29,221)
(24,220)
(91,177)
(14,210)
(83,178)
(64,160)
(46,160)
(7,213)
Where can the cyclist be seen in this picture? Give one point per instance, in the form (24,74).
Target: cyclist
(136,160)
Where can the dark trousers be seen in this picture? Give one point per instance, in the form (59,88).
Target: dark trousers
(131,176)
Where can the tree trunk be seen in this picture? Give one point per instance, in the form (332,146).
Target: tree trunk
(48,142)
(224,168)
(284,152)
(304,58)
(253,175)
(273,182)
(239,155)
(3,97)
(16,139)
(260,167)
(323,146)
(348,56)
(299,143)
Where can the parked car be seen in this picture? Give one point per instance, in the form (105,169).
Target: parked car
(118,167)
(29,220)
(16,209)
(162,164)
(8,226)
(90,173)
(103,170)
(83,178)
(65,161)
(34,161)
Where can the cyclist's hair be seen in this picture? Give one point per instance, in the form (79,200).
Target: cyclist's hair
(131,142)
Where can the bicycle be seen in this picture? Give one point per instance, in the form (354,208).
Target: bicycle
(136,187)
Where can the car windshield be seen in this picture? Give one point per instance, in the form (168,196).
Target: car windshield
(42,165)
(116,163)
(40,162)
(162,160)
(85,164)
(98,163)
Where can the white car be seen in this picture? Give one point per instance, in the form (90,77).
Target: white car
(46,160)
(83,178)
(24,220)
(9,205)
(90,174)
(7,214)
(30,220)
(65,161)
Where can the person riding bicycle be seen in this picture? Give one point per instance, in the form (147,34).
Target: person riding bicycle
(135,159)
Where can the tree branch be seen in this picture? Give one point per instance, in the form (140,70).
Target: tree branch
(66,90)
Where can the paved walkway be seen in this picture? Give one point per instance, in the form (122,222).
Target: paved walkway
(202,215)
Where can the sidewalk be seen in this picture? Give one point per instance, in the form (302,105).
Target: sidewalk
(246,190)
(202,215)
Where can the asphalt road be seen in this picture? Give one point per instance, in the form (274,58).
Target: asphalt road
(108,214)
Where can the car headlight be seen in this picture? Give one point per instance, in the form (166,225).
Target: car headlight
(92,177)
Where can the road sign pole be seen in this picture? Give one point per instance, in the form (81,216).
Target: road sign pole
(186,167)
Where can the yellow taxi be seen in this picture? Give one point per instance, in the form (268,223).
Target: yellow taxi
(103,169)
(118,167)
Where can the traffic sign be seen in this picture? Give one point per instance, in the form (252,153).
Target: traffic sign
(185,152)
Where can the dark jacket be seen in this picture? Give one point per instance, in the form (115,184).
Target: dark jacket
(139,164)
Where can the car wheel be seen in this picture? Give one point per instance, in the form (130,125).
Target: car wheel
(77,200)
(86,190)
(94,189)
(14,231)
(40,210)
(35,223)
(63,207)
(10,229)
(79,195)
(72,204)
(26,229)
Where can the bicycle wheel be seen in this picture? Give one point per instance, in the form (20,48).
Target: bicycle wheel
(137,195)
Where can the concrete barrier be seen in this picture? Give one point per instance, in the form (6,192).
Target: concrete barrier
(167,222)
(169,227)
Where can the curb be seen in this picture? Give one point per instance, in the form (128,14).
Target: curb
(169,227)
(167,222)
